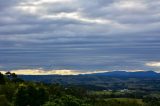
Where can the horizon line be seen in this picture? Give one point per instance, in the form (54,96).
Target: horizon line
(64,72)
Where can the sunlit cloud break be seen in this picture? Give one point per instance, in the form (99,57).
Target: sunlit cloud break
(153,64)
(50,72)
(59,72)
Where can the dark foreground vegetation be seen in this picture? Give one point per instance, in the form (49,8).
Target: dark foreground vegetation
(17,92)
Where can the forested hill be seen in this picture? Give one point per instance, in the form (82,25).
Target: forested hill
(86,78)
(148,80)
(140,74)
(138,92)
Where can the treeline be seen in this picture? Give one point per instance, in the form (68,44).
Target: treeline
(17,92)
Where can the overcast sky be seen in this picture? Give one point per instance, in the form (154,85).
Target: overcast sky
(82,35)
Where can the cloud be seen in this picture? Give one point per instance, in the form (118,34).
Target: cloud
(129,5)
(153,64)
(79,34)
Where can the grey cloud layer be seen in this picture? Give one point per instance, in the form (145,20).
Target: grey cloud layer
(79,34)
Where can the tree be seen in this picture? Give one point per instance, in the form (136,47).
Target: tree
(2,79)
(13,77)
(30,95)
(152,100)
(21,97)
(55,90)
(4,101)
(8,74)
(66,100)
(8,90)
(42,96)
(76,91)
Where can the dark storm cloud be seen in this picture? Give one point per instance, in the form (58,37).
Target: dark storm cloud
(79,35)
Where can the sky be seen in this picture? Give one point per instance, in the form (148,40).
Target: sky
(79,36)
